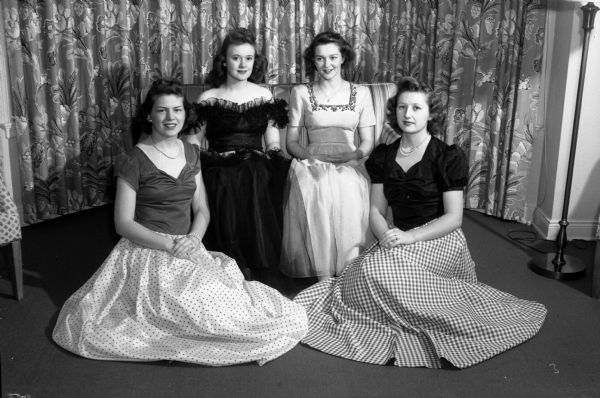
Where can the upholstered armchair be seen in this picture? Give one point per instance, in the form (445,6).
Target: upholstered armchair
(10,239)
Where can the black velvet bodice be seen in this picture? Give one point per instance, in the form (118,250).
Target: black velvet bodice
(415,195)
(231,126)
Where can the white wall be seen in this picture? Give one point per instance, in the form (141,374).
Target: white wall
(564,40)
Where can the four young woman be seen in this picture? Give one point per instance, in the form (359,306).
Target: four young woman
(412,297)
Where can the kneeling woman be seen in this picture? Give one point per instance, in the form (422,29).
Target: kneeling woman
(413,297)
(160,295)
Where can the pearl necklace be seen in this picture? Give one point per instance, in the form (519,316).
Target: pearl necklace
(159,150)
(410,150)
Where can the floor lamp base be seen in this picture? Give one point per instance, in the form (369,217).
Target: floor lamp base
(543,264)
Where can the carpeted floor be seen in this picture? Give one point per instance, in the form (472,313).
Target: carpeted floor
(563,360)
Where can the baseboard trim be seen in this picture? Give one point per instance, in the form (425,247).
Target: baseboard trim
(577,229)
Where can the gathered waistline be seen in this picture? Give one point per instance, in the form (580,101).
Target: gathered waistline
(236,151)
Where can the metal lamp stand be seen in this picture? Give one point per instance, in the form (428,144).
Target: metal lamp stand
(558,265)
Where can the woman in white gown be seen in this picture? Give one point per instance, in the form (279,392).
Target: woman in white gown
(160,295)
(327,210)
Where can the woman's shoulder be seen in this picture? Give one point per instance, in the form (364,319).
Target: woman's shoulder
(381,151)
(191,149)
(192,155)
(130,163)
(300,89)
(447,154)
(252,94)
(361,89)
(135,154)
(445,148)
(439,145)
(260,91)
(210,93)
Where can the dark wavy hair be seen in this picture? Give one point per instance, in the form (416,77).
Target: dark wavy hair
(328,37)
(437,123)
(163,86)
(218,74)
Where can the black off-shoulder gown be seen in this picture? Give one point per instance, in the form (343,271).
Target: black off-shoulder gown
(244,186)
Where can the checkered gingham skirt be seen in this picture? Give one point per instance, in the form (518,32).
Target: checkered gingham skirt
(416,304)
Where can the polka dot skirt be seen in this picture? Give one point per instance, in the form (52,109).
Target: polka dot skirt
(146,305)
(416,304)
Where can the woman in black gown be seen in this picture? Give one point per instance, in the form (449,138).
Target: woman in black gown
(413,297)
(244,183)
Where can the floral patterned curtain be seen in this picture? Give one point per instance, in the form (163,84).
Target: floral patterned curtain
(77,68)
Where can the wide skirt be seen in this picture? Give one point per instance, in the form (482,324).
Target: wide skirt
(326,217)
(415,305)
(147,305)
(245,197)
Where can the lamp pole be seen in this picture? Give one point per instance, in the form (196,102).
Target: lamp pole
(559,265)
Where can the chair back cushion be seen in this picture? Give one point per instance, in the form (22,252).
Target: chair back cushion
(10,226)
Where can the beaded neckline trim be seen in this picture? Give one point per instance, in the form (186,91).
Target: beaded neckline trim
(350,106)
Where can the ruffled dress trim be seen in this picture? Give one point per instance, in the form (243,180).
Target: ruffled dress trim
(275,109)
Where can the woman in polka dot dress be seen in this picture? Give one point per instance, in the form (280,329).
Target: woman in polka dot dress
(160,295)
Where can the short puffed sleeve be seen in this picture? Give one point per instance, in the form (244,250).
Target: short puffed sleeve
(296,109)
(376,164)
(367,113)
(277,112)
(128,168)
(194,157)
(203,111)
(453,169)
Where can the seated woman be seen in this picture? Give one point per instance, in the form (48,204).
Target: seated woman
(413,297)
(160,295)
(244,183)
(326,217)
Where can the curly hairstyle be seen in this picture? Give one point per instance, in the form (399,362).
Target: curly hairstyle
(163,86)
(437,122)
(328,37)
(237,36)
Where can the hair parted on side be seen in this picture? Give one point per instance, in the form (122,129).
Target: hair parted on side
(218,74)
(437,123)
(328,37)
(163,86)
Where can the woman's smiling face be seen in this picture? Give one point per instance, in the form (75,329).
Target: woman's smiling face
(328,60)
(167,115)
(240,61)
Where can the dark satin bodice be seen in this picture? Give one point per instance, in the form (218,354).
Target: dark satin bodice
(163,202)
(415,195)
(231,126)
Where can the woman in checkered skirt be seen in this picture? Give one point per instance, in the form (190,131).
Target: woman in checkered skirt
(413,297)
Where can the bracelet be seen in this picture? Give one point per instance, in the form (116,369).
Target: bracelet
(195,235)
(273,151)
